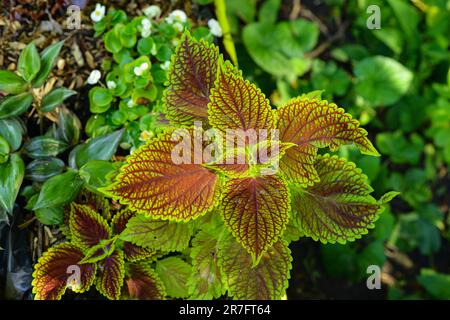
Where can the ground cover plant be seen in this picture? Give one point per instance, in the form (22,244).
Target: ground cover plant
(215,149)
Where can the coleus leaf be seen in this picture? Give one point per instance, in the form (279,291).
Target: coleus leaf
(111,274)
(153,183)
(313,124)
(266,281)
(238,104)
(87,227)
(174,273)
(58,268)
(206,281)
(131,251)
(191,76)
(339,208)
(142,283)
(157,234)
(99,251)
(256,210)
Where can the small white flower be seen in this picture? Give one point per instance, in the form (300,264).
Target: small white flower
(146,24)
(215,28)
(178,26)
(165,65)
(94,77)
(145,33)
(146,135)
(176,16)
(130,103)
(153,11)
(98,13)
(111,85)
(140,69)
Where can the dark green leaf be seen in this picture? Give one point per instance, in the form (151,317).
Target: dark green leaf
(43,146)
(69,126)
(48,58)
(29,62)
(11,130)
(11,177)
(54,98)
(50,216)
(41,169)
(15,105)
(11,82)
(94,174)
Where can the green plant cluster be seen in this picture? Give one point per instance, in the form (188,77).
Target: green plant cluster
(396,79)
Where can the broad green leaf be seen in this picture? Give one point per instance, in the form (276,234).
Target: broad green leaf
(50,216)
(206,281)
(87,227)
(399,148)
(11,82)
(43,168)
(48,59)
(408,18)
(11,177)
(59,190)
(42,146)
(69,126)
(437,284)
(15,105)
(339,207)
(381,81)
(266,281)
(151,182)
(256,210)
(191,76)
(95,172)
(55,267)
(238,104)
(55,98)
(100,99)
(12,130)
(4,150)
(313,124)
(174,273)
(156,234)
(109,280)
(269,11)
(29,62)
(391,37)
(100,148)
(142,283)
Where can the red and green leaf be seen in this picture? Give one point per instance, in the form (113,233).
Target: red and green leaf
(238,104)
(110,276)
(206,281)
(313,124)
(58,268)
(152,183)
(87,227)
(174,273)
(100,251)
(266,281)
(157,234)
(191,76)
(339,208)
(142,283)
(256,210)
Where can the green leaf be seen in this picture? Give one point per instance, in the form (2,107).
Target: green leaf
(11,177)
(100,251)
(43,168)
(391,37)
(29,62)
(339,207)
(43,146)
(11,82)
(381,81)
(48,59)
(269,11)
(95,172)
(15,105)
(100,99)
(59,190)
(387,197)
(69,126)
(437,284)
(408,18)
(101,148)
(174,273)
(50,216)
(54,98)
(12,129)
(157,234)
(266,281)
(4,150)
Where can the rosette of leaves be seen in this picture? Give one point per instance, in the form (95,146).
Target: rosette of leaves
(96,256)
(320,196)
(130,100)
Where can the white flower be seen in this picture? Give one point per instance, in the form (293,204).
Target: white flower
(178,26)
(130,103)
(146,24)
(94,77)
(214,27)
(145,33)
(140,70)
(176,16)
(111,85)
(165,65)
(145,135)
(146,28)
(153,11)
(98,13)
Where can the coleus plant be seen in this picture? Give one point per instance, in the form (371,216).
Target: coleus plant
(320,196)
(95,255)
